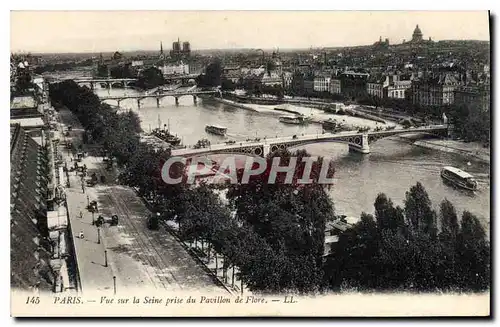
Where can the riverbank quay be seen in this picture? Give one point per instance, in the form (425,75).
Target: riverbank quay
(318,103)
(232,103)
(350,119)
(351,110)
(128,255)
(471,150)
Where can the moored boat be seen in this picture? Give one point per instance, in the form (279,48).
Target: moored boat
(334,126)
(459,178)
(214,129)
(294,120)
(165,135)
(329,125)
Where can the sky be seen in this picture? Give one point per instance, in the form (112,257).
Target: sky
(103,31)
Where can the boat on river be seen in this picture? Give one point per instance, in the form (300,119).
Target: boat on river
(165,135)
(214,129)
(330,125)
(294,120)
(459,178)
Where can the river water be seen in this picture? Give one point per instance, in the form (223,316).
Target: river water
(392,167)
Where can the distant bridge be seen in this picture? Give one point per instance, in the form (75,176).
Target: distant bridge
(92,81)
(357,141)
(109,81)
(159,95)
(180,77)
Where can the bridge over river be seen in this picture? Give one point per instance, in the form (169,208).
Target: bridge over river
(159,95)
(357,141)
(110,81)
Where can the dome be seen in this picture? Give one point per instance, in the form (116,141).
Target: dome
(417,35)
(417,31)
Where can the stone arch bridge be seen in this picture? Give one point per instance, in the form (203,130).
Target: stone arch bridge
(357,141)
(159,96)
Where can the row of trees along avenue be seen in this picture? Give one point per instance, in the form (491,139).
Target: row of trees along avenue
(274,233)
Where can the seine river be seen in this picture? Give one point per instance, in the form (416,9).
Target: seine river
(392,167)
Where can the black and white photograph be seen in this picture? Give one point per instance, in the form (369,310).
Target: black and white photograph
(250,163)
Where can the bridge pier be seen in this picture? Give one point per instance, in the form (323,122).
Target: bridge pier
(267,149)
(138,103)
(158,102)
(92,86)
(195,99)
(176,101)
(118,101)
(363,148)
(108,84)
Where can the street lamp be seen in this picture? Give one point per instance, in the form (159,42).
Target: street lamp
(98,235)
(105,258)
(114,285)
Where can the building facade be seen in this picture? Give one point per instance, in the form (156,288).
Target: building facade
(474,97)
(397,89)
(375,86)
(322,83)
(353,84)
(272,78)
(335,86)
(180,69)
(434,91)
(287,80)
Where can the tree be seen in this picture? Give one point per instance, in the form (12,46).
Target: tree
(102,70)
(227,85)
(150,78)
(470,123)
(387,216)
(353,264)
(449,219)
(378,256)
(122,71)
(212,76)
(23,80)
(290,219)
(473,254)
(418,211)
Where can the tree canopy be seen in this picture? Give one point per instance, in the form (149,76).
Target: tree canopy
(402,249)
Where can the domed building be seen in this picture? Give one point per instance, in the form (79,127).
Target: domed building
(417,35)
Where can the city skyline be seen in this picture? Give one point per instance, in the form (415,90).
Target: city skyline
(104,31)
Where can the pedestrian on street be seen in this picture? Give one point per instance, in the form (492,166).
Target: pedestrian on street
(81,236)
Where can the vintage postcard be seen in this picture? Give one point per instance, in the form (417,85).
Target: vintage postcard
(183,163)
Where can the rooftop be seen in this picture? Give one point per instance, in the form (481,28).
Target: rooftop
(458,172)
(30,256)
(20,102)
(28,123)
